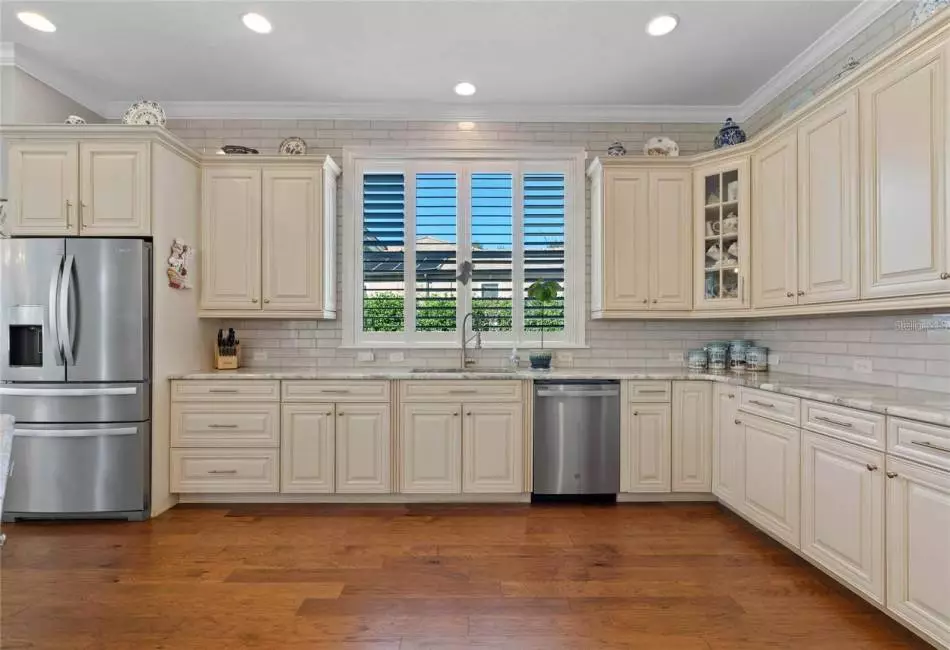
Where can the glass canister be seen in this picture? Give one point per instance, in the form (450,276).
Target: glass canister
(737,350)
(757,358)
(696,359)
(717,352)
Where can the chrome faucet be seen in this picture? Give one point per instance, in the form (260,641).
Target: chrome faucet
(465,361)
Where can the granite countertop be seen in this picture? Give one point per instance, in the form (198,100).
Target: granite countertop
(925,406)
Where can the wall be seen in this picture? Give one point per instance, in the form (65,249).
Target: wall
(33,102)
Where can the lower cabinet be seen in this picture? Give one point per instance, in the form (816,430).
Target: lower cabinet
(363,464)
(645,465)
(843,511)
(230,471)
(307,441)
(493,448)
(770,491)
(918,547)
(431,451)
(727,470)
(692,436)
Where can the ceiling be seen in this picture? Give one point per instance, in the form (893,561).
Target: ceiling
(528,54)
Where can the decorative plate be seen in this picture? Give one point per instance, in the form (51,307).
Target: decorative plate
(293,146)
(661,146)
(74,120)
(145,113)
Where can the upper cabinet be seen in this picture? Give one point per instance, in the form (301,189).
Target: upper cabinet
(641,238)
(904,134)
(774,272)
(267,239)
(114,188)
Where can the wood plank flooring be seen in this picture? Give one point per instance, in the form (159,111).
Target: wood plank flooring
(670,577)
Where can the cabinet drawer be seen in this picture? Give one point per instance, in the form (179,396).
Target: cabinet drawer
(325,390)
(847,424)
(224,470)
(773,406)
(223,424)
(649,391)
(225,390)
(925,443)
(472,390)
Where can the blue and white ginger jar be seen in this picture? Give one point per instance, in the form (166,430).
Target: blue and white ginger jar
(730,134)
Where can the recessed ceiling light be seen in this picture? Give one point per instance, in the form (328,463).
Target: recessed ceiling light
(36,21)
(257,23)
(466,126)
(662,25)
(464,89)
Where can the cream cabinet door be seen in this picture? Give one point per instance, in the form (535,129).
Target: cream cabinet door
(231,238)
(431,448)
(843,511)
(904,141)
(771,462)
(292,253)
(670,240)
(828,204)
(692,436)
(363,463)
(774,223)
(307,440)
(626,240)
(43,187)
(645,449)
(114,189)
(918,547)
(727,470)
(493,448)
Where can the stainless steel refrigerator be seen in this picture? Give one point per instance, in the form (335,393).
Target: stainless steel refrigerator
(75,360)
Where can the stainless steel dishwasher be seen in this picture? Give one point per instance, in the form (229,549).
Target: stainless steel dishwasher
(576,437)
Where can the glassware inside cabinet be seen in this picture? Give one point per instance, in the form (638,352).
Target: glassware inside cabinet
(721,236)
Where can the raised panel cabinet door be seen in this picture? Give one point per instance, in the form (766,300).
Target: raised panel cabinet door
(843,511)
(645,446)
(774,228)
(692,436)
(114,189)
(431,448)
(292,253)
(904,177)
(770,490)
(43,188)
(918,547)
(231,238)
(363,446)
(493,448)
(307,441)
(626,240)
(727,470)
(829,241)
(670,240)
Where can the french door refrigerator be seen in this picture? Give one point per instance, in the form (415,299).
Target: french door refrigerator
(75,359)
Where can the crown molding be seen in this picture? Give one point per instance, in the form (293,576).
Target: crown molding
(852,24)
(62,82)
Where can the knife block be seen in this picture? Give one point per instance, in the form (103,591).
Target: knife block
(227,362)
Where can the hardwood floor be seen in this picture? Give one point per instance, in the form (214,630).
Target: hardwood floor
(670,577)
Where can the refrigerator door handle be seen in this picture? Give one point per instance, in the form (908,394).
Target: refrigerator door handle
(68,392)
(74,433)
(65,336)
(53,312)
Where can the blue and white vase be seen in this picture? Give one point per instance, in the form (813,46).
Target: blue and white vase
(616,150)
(730,134)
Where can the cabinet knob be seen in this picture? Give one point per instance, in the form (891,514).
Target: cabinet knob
(254,300)
(891,474)
(341,413)
(469,413)
(738,421)
(645,301)
(636,412)
(871,468)
(731,396)
(789,294)
(801,293)
(329,413)
(266,300)
(455,414)
(654,301)
(945,276)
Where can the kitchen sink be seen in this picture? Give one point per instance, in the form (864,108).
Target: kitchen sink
(463,371)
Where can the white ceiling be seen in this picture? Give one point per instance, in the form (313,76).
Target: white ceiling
(531,54)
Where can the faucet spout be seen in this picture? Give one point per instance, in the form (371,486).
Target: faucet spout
(464,360)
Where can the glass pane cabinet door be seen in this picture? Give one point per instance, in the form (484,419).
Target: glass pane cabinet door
(722,248)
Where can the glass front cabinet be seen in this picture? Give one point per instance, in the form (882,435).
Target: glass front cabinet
(721,235)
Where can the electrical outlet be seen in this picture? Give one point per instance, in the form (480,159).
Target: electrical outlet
(862,365)
(397,357)
(365,355)
(260,355)
(676,356)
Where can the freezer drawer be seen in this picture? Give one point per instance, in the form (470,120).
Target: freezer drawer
(79,470)
(52,403)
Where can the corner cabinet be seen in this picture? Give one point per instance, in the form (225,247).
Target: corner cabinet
(268,233)
(727,471)
(640,238)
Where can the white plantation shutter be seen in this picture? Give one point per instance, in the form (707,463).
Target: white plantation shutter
(383,269)
(436,251)
(492,237)
(544,240)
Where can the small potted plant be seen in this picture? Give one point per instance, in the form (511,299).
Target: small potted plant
(543,292)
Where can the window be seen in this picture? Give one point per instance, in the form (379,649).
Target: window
(432,236)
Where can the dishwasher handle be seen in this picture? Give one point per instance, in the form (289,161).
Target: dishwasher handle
(604,392)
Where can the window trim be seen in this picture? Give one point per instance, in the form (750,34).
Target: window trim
(358,160)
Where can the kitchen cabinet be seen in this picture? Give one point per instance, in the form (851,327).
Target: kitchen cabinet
(692,436)
(775,235)
(114,189)
(771,462)
(493,448)
(363,463)
(223,471)
(842,509)
(721,234)
(727,469)
(641,238)
(904,115)
(43,187)
(431,453)
(918,547)
(646,461)
(307,448)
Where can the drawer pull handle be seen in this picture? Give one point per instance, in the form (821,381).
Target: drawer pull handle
(929,445)
(891,474)
(222,426)
(765,404)
(945,276)
(223,390)
(651,390)
(222,471)
(846,425)
(462,392)
(871,468)
(334,391)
